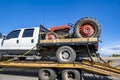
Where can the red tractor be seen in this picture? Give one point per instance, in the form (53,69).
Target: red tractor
(58,32)
(85,28)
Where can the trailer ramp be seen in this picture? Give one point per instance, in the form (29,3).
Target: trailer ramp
(86,65)
(100,68)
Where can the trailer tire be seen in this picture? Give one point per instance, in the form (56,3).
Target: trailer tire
(87,27)
(51,36)
(65,54)
(70,74)
(21,58)
(46,74)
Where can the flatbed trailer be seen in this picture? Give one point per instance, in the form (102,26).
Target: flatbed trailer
(84,65)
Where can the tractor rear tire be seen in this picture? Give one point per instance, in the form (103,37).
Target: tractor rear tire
(86,28)
(65,54)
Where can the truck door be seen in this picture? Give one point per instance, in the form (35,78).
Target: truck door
(11,42)
(27,40)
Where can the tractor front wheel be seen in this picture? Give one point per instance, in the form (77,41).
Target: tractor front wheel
(51,36)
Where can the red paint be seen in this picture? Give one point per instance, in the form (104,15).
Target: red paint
(87,30)
(59,28)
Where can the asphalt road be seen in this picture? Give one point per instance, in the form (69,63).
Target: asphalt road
(18,74)
(32,74)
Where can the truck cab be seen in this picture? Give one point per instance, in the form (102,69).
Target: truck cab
(19,40)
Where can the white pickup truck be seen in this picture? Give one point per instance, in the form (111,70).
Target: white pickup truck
(66,49)
(18,41)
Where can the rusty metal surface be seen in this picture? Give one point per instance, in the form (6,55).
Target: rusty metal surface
(80,40)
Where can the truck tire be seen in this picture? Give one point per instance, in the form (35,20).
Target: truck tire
(65,54)
(1,57)
(70,74)
(46,74)
(51,36)
(87,27)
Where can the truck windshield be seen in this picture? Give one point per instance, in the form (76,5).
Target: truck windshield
(13,34)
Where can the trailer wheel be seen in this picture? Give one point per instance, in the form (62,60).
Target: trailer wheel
(51,36)
(21,58)
(46,74)
(70,74)
(1,57)
(65,54)
(87,27)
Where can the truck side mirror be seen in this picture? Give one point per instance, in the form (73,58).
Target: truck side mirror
(0,35)
(4,37)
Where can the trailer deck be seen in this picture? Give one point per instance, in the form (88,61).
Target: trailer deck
(93,67)
(70,41)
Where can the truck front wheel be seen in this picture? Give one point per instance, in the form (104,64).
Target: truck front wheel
(70,74)
(46,74)
(65,54)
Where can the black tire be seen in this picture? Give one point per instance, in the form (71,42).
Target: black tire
(70,74)
(87,27)
(21,58)
(54,36)
(65,54)
(46,74)
(1,57)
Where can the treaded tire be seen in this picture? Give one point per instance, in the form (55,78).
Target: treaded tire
(70,74)
(46,74)
(51,36)
(87,20)
(65,54)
